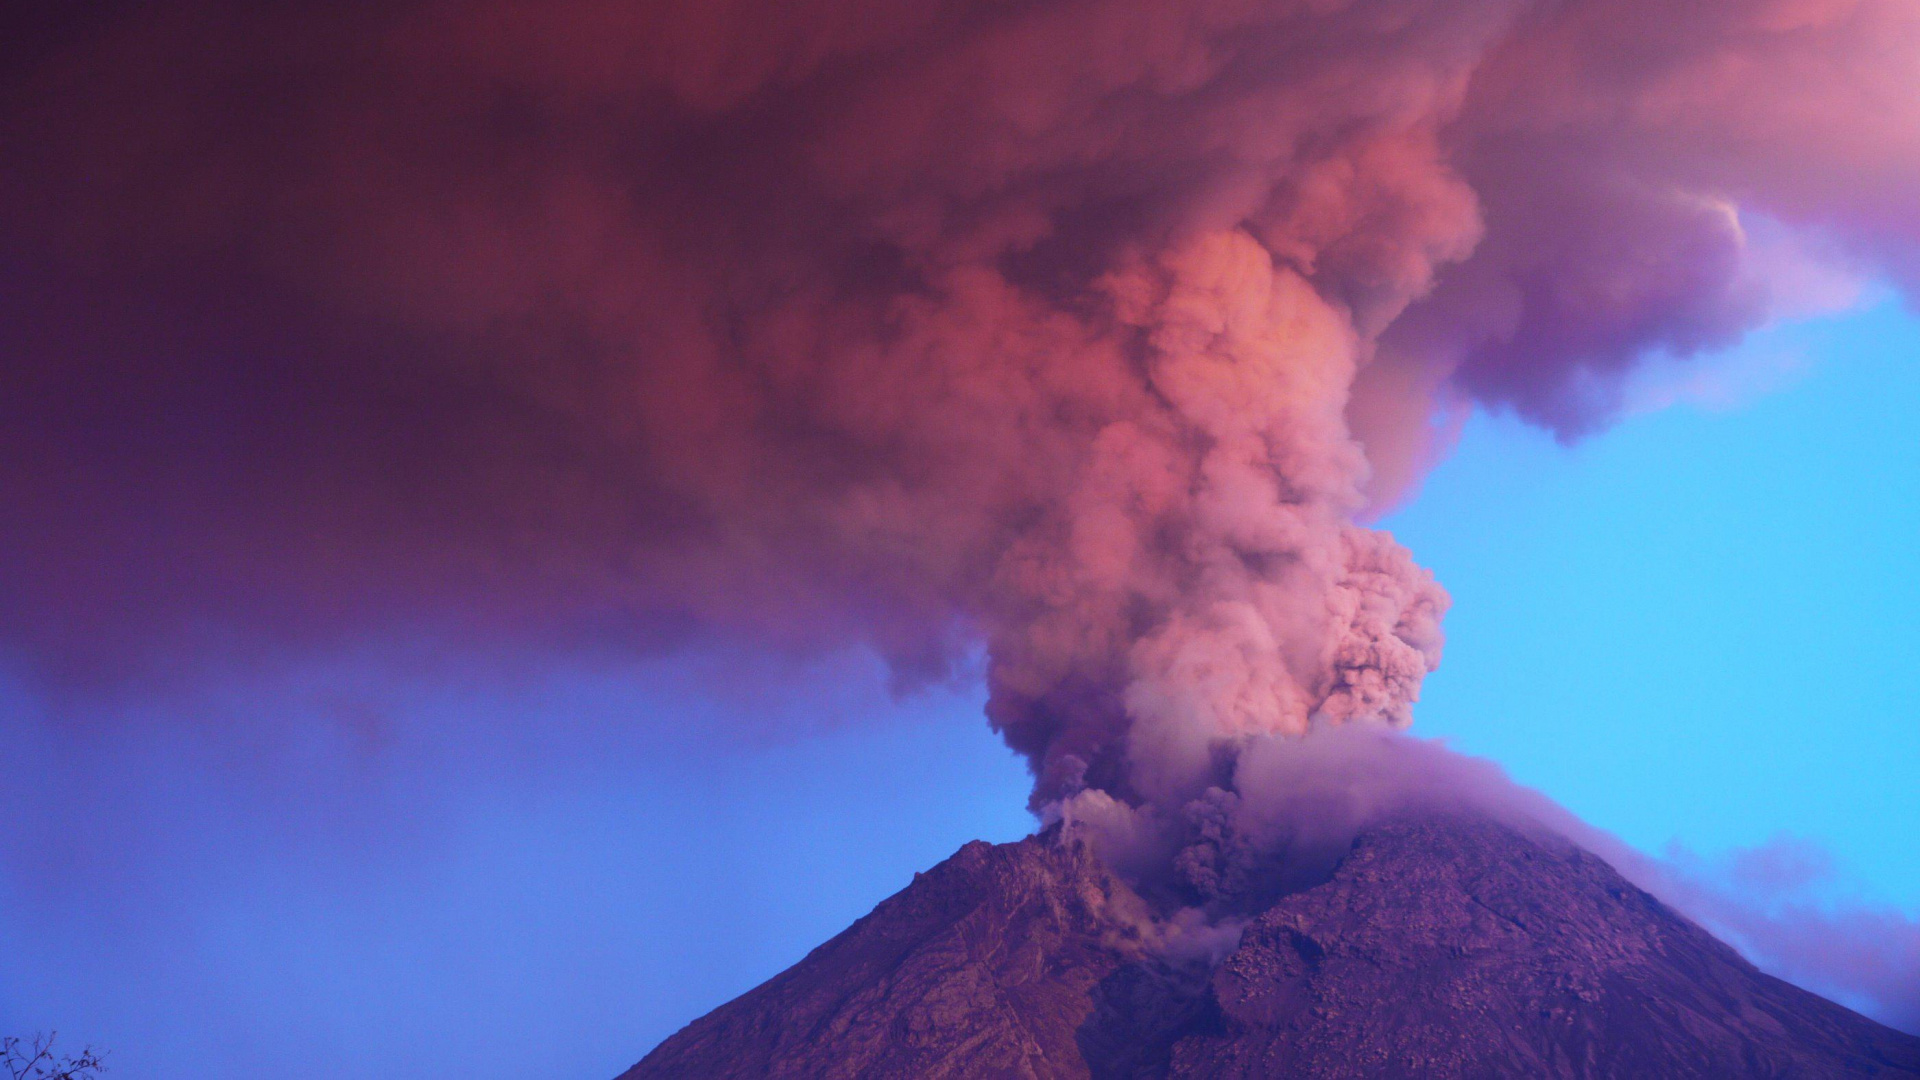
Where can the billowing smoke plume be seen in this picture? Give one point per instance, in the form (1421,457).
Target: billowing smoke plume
(1082,331)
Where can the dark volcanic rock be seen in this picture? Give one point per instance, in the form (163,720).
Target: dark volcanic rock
(1441,947)
(1000,962)
(1461,948)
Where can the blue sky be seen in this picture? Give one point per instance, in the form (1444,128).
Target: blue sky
(1701,625)
(1696,627)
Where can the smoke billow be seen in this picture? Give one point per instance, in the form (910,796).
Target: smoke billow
(1083,332)
(1030,326)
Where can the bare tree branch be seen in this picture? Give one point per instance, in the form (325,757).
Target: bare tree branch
(34,1059)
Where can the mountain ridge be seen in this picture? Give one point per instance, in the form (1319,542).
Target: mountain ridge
(1441,945)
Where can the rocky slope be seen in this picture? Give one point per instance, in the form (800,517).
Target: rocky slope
(1441,946)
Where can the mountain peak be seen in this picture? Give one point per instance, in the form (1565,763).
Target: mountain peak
(989,964)
(1442,945)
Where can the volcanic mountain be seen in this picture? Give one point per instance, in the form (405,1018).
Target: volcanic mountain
(1441,945)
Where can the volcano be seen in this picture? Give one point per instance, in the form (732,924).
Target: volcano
(1439,946)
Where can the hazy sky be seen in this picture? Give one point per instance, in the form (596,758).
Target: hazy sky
(1695,627)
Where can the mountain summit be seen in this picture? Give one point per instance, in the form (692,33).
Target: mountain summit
(1440,946)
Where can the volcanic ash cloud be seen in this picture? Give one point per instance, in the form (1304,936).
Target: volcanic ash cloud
(1084,331)
(1203,581)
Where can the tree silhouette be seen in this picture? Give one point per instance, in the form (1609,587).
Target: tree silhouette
(34,1059)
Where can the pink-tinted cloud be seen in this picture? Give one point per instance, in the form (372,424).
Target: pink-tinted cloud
(1619,149)
(1078,332)
(1778,903)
